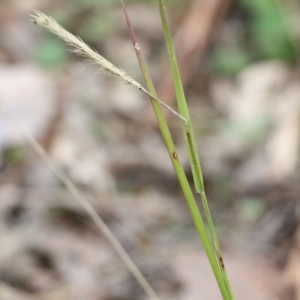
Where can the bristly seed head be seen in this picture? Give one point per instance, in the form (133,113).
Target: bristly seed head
(81,48)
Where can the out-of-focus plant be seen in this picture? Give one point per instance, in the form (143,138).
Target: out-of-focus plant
(51,52)
(256,30)
(14,154)
(267,27)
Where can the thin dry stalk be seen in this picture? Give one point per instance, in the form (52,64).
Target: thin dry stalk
(86,206)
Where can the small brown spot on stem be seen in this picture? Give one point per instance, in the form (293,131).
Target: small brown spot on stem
(222,263)
(174,154)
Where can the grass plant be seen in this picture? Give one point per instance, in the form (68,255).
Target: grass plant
(213,253)
(191,146)
(209,241)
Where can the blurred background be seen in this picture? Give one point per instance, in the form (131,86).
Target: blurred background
(240,66)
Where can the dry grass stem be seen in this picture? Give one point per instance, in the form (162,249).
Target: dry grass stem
(86,206)
(81,48)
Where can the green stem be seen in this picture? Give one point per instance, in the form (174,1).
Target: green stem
(188,194)
(191,145)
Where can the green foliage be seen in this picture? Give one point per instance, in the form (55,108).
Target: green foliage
(262,33)
(97,27)
(268,29)
(251,209)
(51,52)
(230,60)
(14,154)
